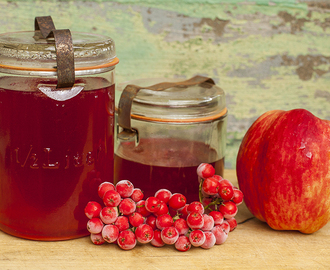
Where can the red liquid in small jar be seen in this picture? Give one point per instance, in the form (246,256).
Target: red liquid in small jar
(53,156)
(164,163)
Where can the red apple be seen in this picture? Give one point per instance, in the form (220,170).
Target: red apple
(283,170)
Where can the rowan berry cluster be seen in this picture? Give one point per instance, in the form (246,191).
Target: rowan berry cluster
(217,193)
(165,218)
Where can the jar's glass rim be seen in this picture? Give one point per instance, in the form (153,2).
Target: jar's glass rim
(24,50)
(29,37)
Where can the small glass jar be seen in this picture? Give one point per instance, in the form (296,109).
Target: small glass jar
(174,130)
(56,145)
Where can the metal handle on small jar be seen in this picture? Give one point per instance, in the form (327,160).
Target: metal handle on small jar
(63,47)
(130,92)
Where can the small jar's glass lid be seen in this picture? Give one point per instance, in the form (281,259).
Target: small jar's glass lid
(27,52)
(200,102)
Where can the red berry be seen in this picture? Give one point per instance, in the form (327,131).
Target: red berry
(177,201)
(104,187)
(151,221)
(238,197)
(195,207)
(111,198)
(122,223)
(125,188)
(137,195)
(225,182)
(109,214)
(197,238)
(169,235)
(93,209)
(195,221)
(162,210)
(210,186)
(205,170)
(228,209)
(220,234)
(232,223)
(127,206)
(217,177)
(163,195)
(144,233)
(204,194)
(183,243)
(110,233)
(217,217)
(209,240)
(141,208)
(226,192)
(183,213)
(97,239)
(152,204)
(164,221)
(126,240)
(225,226)
(136,219)
(182,226)
(95,225)
(157,240)
(208,223)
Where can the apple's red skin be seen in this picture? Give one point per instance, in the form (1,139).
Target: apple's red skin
(283,170)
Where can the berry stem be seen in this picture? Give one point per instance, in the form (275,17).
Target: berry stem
(176,217)
(200,192)
(215,203)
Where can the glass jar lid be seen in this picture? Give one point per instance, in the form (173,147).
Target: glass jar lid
(22,52)
(201,102)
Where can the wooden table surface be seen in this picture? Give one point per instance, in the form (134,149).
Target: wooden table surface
(252,245)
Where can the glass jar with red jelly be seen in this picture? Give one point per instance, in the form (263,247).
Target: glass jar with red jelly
(165,130)
(56,139)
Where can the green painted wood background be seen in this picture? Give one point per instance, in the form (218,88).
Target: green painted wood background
(265,54)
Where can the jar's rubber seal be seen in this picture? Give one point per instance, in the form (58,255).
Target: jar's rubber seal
(190,120)
(114,62)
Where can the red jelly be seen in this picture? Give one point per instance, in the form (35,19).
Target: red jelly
(54,154)
(164,163)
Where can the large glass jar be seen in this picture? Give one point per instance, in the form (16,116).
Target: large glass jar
(172,132)
(56,145)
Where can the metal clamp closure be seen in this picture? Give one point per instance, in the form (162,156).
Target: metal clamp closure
(130,92)
(63,47)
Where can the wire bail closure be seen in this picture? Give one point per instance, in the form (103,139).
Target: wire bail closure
(64,50)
